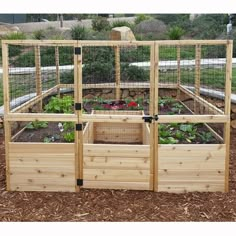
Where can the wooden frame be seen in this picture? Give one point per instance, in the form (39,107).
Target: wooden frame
(163,171)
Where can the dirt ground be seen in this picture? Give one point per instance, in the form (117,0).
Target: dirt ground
(116,205)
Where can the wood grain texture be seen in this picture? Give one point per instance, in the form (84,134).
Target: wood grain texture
(42,167)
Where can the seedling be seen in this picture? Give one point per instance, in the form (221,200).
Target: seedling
(37,125)
(69,137)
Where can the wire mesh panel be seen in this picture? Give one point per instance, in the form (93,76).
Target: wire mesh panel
(116,77)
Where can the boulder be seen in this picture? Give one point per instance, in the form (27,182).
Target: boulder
(122,33)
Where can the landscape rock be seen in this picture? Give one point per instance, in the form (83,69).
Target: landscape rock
(122,33)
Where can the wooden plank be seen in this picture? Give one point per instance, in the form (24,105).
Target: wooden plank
(57,63)
(190,186)
(191,42)
(116,185)
(201,101)
(228,82)
(41,42)
(6,99)
(197,76)
(38,77)
(41,148)
(116,175)
(118,150)
(41,117)
(117,71)
(193,118)
(134,163)
(113,43)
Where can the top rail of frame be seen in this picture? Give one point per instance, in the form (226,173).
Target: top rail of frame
(113,43)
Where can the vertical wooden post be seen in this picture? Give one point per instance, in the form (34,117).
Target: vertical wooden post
(178,72)
(151,112)
(197,76)
(228,81)
(117,68)
(38,76)
(156,143)
(78,99)
(58,82)
(7,126)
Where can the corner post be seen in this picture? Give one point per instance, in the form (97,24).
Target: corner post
(228,81)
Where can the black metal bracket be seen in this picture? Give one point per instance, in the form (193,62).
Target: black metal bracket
(78,127)
(80,182)
(77,50)
(149,119)
(78,106)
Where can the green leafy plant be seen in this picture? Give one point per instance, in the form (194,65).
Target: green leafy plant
(100,24)
(39,34)
(141,17)
(37,125)
(78,33)
(206,137)
(69,136)
(177,107)
(120,23)
(60,105)
(168,140)
(68,126)
(175,33)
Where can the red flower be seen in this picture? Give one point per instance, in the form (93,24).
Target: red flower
(132,104)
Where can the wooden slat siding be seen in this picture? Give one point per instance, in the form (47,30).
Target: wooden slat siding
(34,100)
(197,76)
(6,98)
(42,167)
(178,71)
(117,71)
(57,63)
(146,134)
(38,77)
(116,185)
(201,101)
(191,167)
(118,132)
(117,166)
(228,82)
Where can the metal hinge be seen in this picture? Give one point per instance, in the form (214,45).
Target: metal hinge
(149,119)
(78,127)
(77,50)
(80,182)
(78,106)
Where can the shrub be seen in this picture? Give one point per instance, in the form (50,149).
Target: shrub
(140,18)
(175,33)
(78,32)
(134,73)
(39,34)
(120,23)
(100,23)
(15,36)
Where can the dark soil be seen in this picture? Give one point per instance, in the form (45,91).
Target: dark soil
(118,205)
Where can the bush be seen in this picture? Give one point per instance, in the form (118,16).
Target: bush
(140,18)
(15,36)
(100,23)
(78,32)
(39,34)
(175,33)
(120,23)
(134,73)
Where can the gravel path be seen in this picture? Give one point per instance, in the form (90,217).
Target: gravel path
(117,205)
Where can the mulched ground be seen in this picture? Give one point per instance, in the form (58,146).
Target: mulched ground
(114,205)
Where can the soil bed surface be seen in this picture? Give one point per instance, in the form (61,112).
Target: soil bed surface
(118,205)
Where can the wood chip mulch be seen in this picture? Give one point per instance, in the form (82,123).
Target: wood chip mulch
(118,205)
